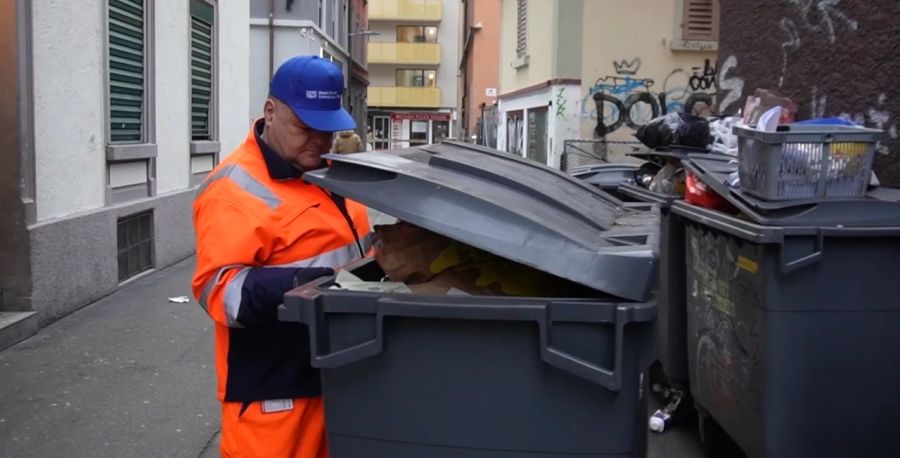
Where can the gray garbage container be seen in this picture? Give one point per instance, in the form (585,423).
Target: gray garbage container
(793,333)
(671,321)
(411,375)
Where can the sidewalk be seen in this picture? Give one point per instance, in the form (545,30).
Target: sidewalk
(131,375)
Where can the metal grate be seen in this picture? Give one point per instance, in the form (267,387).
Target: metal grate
(126,70)
(135,243)
(202,19)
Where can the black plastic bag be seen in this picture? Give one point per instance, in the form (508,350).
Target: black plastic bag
(675,129)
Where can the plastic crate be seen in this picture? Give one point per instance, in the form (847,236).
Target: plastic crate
(806,161)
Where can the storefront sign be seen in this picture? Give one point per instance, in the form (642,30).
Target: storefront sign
(420,116)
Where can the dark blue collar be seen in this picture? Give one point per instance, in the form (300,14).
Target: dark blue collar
(279,169)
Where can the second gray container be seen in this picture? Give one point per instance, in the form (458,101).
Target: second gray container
(793,334)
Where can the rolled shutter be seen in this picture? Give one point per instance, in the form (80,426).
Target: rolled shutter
(126,70)
(201,69)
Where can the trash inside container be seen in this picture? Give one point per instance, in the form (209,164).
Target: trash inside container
(414,375)
(793,333)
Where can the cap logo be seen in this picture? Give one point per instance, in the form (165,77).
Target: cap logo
(312,94)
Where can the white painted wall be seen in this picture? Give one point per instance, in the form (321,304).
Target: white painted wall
(69,106)
(70,98)
(562,124)
(173,121)
(234,73)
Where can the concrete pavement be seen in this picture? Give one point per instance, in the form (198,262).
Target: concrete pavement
(133,375)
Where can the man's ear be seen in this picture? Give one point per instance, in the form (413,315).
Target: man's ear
(269,109)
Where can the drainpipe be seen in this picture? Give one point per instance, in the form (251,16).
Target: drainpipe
(271,39)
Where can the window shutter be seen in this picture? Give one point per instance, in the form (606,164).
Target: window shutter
(126,70)
(521,26)
(201,69)
(701,20)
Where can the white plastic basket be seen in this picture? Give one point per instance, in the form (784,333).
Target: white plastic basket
(806,161)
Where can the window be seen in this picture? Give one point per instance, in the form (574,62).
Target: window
(416,34)
(130,149)
(701,20)
(521,27)
(407,77)
(202,22)
(135,242)
(128,53)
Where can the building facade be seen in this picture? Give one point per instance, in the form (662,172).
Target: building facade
(480,71)
(594,72)
(413,62)
(281,29)
(120,111)
(646,59)
(540,71)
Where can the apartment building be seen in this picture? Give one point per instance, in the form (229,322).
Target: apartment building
(480,71)
(413,61)
(540,77)
(113,115)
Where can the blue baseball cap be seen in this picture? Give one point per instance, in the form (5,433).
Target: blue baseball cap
(313,87)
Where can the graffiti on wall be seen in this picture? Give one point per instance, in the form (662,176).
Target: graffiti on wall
(560,103)
(627,99)
(875,115)
(817,17)
(729,84)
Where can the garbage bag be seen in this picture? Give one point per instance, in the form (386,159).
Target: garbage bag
(675,129)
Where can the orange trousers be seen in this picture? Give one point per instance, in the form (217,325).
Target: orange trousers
(295,433)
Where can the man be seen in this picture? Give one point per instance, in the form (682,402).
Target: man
(348,142)
(260,232)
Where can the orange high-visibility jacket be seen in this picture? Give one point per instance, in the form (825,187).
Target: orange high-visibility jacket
(259,230)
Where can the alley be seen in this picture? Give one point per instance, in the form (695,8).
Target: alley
(132,375)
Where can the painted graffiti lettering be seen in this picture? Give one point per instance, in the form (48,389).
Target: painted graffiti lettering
(734,85)
(819,16)
(701,81)
(625,99)
(792,42)
(625,67)
(560,103)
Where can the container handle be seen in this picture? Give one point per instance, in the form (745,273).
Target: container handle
(803,261)
(611,378)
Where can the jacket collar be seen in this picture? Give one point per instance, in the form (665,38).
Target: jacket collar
(279,169)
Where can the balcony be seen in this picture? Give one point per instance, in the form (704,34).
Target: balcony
(404,53)
(405,97)
(405,10)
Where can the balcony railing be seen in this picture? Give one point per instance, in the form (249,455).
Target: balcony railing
(406,97)
(405,10)
(404,53)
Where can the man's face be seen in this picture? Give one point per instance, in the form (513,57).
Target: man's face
(296,142)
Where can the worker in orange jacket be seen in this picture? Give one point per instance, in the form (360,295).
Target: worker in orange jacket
(262,231)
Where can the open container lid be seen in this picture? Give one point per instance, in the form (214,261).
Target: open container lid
(509,206)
